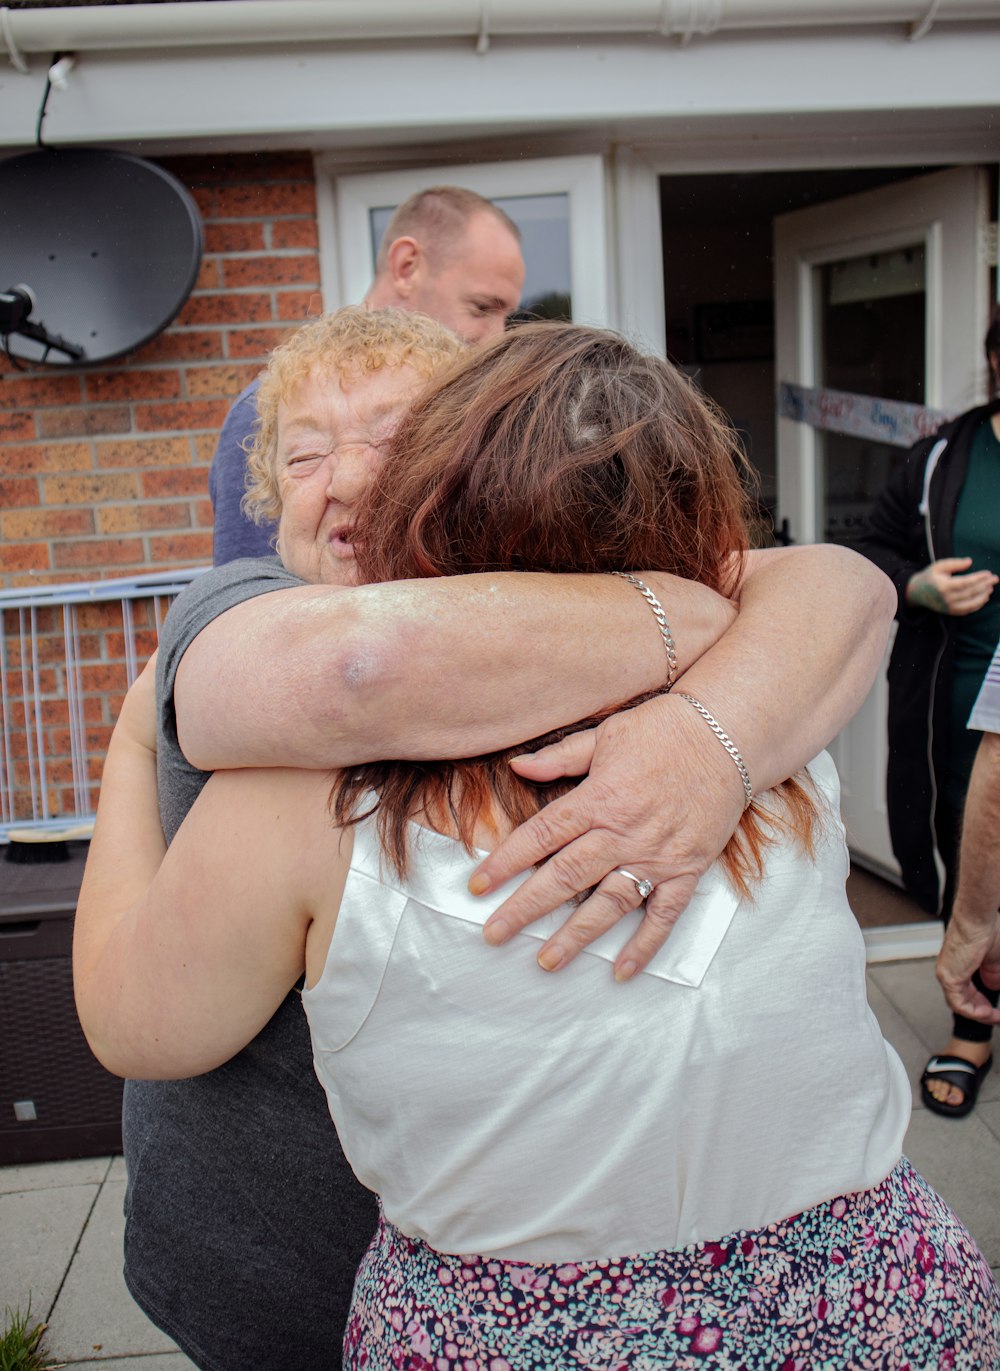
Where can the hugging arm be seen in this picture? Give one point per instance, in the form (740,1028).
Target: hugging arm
(319,677)
(405,670)
(663,796)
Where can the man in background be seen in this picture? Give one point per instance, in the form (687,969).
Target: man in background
(968,965)
(446,252)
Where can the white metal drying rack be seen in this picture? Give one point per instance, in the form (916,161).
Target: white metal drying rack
(159,587)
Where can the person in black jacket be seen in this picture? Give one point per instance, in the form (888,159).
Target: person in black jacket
(935,530)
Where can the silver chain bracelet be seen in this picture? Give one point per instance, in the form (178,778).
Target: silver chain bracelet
(726,742)
(669,645)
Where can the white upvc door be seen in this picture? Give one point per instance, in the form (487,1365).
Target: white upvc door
(560,205)
(883,294)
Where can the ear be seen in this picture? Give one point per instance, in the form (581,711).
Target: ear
(404,264)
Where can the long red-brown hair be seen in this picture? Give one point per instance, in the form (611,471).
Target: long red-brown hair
(558,448)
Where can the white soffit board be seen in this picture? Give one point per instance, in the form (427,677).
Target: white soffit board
(327,95)
(40,28)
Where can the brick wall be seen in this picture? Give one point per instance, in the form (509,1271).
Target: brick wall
(104,470)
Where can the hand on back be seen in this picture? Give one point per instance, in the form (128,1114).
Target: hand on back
(661,799)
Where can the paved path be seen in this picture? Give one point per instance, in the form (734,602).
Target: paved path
(62,1222)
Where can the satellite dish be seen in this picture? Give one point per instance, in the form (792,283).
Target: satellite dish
(100,249)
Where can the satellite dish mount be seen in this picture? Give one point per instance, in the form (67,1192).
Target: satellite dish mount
(17,304)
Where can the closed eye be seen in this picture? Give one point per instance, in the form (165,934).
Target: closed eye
(490,304)
(302,460)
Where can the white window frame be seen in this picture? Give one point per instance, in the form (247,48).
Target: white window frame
(344,204)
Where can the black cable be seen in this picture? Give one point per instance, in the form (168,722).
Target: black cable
(45,100)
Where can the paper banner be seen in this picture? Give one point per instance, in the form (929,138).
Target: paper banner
(861,416)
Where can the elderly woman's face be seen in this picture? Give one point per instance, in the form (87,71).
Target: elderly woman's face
(330,439)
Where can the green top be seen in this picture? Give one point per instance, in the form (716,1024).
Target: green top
(976,534)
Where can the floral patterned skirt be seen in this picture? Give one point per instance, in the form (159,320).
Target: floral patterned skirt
(885,1278)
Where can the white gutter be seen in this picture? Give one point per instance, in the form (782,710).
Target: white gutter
(201,23)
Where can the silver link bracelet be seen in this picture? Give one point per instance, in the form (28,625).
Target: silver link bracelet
(669,645)
(726,742)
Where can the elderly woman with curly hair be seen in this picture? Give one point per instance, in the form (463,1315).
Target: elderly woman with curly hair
(675,1173)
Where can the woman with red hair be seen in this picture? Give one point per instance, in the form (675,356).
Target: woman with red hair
(677,1172)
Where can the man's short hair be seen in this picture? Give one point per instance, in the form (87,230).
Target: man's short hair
(347,344)
(437,218)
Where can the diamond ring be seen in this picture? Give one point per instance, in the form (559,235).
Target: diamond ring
(643,888)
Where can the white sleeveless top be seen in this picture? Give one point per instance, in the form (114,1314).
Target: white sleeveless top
(503,1111)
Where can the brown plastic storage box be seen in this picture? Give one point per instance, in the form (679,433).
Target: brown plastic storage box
(56,1100)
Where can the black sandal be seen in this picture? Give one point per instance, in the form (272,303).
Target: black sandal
(963,1075)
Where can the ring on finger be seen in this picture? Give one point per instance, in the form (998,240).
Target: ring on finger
(643,887)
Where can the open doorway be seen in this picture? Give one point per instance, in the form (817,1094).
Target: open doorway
(718,268)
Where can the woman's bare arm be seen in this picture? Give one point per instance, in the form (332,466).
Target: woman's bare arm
(321,677)
(180,957)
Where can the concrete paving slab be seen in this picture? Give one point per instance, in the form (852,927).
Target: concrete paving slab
(41,1229)
(912,988)
(117,1171)
(988,1114)
(94,1314)
(47,1175)
(961,1159)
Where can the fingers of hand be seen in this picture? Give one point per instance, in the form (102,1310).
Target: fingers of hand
(617,817)
(966,1000)
(544,833)
(966,594)
(615,897)
(963,952)
(960,956)
(663,908)
(570,757)
(575,867)
(958,608)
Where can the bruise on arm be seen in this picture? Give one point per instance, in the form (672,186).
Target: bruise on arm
(319,677)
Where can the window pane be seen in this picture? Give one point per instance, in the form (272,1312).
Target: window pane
(872,326)
(544,224)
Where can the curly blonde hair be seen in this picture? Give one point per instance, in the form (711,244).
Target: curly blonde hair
(346,345)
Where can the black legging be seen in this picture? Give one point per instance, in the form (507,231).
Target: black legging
(948,823)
